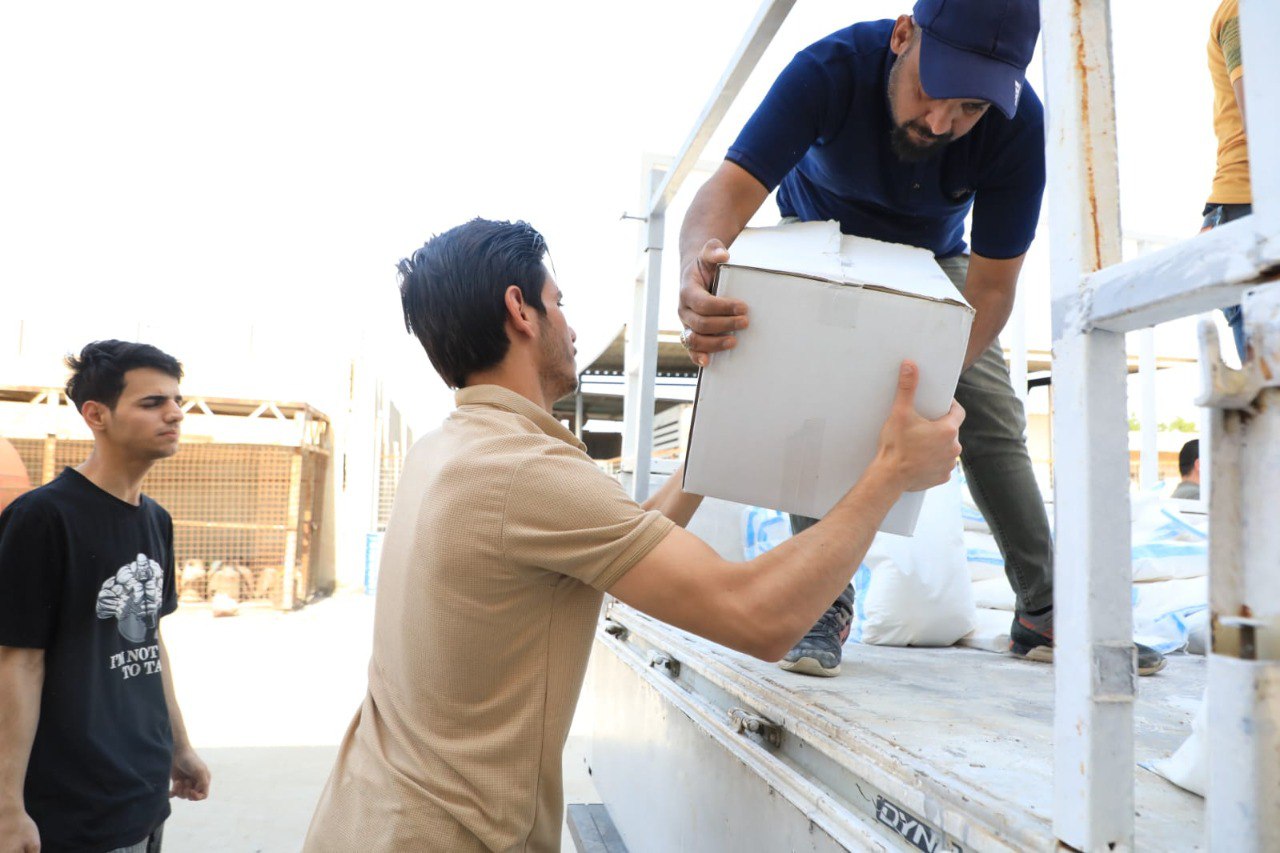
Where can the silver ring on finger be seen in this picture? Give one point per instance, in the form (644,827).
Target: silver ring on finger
(685,337)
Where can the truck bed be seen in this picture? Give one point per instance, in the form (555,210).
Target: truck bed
(908,748)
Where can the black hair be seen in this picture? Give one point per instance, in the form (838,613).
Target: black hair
(453,291)
(98,373)
(1188,455)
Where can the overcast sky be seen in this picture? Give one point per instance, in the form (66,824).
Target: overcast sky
(183,171)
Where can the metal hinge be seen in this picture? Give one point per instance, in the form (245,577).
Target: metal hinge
(661,660)
(748,723)
(1225,387)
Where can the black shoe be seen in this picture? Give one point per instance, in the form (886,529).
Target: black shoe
(1028,643)
(820,651)
(1150,661)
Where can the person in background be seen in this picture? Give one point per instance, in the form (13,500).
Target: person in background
(90,730)
(1231,196)
(1189,469)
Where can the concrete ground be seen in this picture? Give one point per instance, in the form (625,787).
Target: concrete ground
(267,697)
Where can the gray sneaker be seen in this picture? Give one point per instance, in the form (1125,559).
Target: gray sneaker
(1031,638)
(819,652)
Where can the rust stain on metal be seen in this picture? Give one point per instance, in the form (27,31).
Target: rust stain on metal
(1082,68)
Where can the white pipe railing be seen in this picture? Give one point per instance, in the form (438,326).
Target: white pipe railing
(642,333)
(1095,301)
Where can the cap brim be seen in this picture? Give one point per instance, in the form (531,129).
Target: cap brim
(947,72)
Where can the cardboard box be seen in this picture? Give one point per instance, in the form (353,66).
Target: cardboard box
(791,417)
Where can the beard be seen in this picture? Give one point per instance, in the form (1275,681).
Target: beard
(908,150)
(904,147)
(559,369)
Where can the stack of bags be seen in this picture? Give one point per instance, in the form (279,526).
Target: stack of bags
(1170,563)
(946,584)
(910,591)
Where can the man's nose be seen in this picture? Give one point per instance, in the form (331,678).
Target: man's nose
(939,119)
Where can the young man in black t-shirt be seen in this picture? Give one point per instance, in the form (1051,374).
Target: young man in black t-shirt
(90,730)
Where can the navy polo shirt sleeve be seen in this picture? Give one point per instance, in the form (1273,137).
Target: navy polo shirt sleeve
(1006,206)
(32,562)
(790,119)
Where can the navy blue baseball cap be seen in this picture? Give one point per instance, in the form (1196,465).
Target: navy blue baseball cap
(977,49)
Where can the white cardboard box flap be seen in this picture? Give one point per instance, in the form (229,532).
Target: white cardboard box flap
(805,248)
(790,418)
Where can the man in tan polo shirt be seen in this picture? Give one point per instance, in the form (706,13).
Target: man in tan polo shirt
(504,537)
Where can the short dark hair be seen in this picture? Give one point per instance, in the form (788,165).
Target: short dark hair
(98,374)
(452,292)
(1188,455)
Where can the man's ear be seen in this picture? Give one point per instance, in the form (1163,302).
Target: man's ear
(95,414)
(903,30)
(519,313)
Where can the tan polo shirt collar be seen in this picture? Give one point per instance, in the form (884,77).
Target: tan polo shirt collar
(504,398)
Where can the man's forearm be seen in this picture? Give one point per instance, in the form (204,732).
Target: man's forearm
(674,502)
(21,683)
(993,310)
(720,209)
(707,219)
(825,556)
(990,287)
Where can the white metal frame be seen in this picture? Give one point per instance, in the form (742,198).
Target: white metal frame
(1096,300)
(641,364)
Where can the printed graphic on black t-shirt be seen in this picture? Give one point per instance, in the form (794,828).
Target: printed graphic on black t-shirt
(87,578)
(132,597)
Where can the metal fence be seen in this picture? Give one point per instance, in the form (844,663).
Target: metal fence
(244,515)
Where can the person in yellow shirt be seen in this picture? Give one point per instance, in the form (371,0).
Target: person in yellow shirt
(1231,197)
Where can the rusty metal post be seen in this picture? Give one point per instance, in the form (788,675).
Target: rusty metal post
(1243,803)
(1094,667)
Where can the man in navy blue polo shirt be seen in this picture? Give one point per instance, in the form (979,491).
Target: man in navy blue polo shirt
(898,128)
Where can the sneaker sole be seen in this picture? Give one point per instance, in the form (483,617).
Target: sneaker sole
(809,666)
(1152,670)
(1044,654)
(1038,654)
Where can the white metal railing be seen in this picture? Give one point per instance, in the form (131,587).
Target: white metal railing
(641,358)
(1096,300)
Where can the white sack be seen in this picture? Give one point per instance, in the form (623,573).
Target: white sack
(1188,767)
(994,594)
(916,591)
(983,555)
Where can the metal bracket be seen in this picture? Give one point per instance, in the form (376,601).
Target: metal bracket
(1223,387)
(1246,638)
(1228,388)
(746,722)
(664,661)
